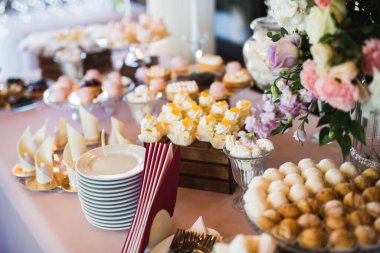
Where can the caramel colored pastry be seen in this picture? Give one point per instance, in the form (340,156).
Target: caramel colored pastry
(312,172)
(373,209)
(325,164)
(268,219)
(273,174)
(309,220)
(325,195)
(306,163)
(313,238)
(376,225)
(334,176)
(298,192)
(371,194)
(333,208)
(308,205)
(239,79)
(343,188)
(157,71)
(359,217)
(365,235)
(335,222)
(277,199)
(293,178)
(315,184)
(288,168)
(342,239)
(288,229)
(278,186)
(259,182)
(353,200)
(348,170)
(372,174)
(289,211)
(362,182)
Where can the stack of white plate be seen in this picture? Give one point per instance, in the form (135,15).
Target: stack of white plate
(109,184)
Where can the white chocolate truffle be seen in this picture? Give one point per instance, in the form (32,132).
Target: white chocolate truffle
(278,186)
(306,163)
(255,209)
(348,169)
(298,192)
(378,183)
(273,174)
(265,145)
(293,178)
(277,199)
(314,184)
(312,172)
(288,168)
(326,164)
(259,182)
(253,194)
(334,177)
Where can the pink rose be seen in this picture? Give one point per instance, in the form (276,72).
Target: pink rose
(342,96)
(309,76)
(371,51)
(283,53)
(323,3)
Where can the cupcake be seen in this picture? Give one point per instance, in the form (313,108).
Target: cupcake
(218,110)
(210,63)
(206,101)
(186,105)
(184,133)
(218,91)
(151,130)
(179,67)
(221,131)
(233,67)
(179,98)
(236,80)
(205,128)
(169,118)
(245,110)
(233,115)
(157,71)
(194,113)
(189,87)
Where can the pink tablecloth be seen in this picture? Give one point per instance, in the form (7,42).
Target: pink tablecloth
(53,222)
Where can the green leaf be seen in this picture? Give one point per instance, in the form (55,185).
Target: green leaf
(357,130)
(340,118)
(270,34)
(324,120)
(346,145)
(324,137)
(283,31)
(278,130)
(276,37)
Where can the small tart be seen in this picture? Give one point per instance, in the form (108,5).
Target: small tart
(157,71)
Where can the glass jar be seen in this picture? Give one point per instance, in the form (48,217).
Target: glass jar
(255,51)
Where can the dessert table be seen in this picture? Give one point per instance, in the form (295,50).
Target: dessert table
(53,222)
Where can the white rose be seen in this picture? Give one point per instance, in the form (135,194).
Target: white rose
(322,53)
(345,71)
(338,7)
(319,23)
(373,104)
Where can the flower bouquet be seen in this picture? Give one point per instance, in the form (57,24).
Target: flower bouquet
(327,51)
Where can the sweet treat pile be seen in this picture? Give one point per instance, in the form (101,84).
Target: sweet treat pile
(263,243)
(210,63)
(317,205)
(190,87)
(243,149)
(184,120)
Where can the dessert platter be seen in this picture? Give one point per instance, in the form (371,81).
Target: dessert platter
(317,207)
(17,94)
(93,91)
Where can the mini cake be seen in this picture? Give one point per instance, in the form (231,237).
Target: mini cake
(189,87)
(151,130)
(233,115)
(180,97)
(205,128)
(140,95)
(233,67)
(169,118)
(194,113)
(178,66)
(245,110)
(184,133)
(206,101)
(157,84)
(237,80)
(210,63)
(157,71)
(218,110)
(218,91)
(221,131)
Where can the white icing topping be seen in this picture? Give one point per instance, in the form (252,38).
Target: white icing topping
(187,86)
(210,59)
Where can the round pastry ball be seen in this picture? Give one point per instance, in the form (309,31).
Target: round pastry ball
(268,219)
(371,173)
(348,169)
(309,205)
(256,209)
(312,172)
(334,177)
(376,225)
(378,183)
(314,184)
(359,217)
(365,235)
(343,188)
(309,220)
(342,239)
(273,174)
(373,209)
(293,178)
(306,163)
(335,222)
(333,208)
(277,199)
(313,238)
(288,229)
(371,194)
(253,194)
(278,186)
(353,200)
(288,168)
(289,211)
(325,195)
(259,182)
(326,164)
(298,192)
(362,182)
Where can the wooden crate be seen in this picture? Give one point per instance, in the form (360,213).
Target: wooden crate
(100,60)
(205,168)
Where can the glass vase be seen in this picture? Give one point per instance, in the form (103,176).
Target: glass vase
(368,154)
(243,171)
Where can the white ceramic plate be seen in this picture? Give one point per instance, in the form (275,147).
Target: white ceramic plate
(110,196)
(111,162)
(111,207)
(109,228)
(101,203)
(122,226)
(110,183)
(115,217)
(109,188)
(118,223)
(110,192)
(122,210)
